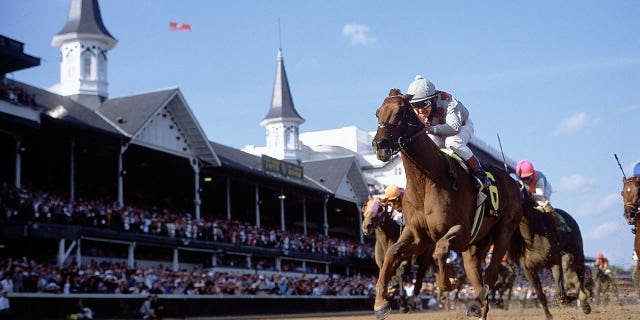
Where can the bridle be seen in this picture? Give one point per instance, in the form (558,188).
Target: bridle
(401,141)
(631,208)
(395,145)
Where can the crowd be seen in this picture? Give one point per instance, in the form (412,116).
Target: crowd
(38,206)
(28,275)
(16,94)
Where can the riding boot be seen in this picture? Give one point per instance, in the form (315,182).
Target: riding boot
(478,172)
(554,215)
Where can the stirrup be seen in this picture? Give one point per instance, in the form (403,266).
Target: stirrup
(481,197)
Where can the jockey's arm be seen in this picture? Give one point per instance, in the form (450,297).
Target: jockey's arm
(454,120)
(398,217)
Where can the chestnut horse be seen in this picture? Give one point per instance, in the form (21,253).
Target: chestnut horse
(377,219)
(538,245)
(439,205)
(631,197)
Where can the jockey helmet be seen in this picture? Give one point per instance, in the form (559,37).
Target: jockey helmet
(636,170)
(600,255)
(524,169)
(421,89)
(392,192)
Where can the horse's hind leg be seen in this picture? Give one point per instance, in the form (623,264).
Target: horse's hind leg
(534,279)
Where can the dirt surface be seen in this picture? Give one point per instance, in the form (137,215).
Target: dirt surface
(610,312)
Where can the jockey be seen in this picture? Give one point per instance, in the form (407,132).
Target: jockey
(602,263)
(636,170)
(448,123)
(393,195)
(536,184)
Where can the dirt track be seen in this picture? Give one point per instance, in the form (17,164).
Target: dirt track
(611,312)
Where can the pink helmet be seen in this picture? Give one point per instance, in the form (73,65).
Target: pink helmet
(524,169)
(600,255)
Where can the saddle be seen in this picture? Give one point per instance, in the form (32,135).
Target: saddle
(482,206)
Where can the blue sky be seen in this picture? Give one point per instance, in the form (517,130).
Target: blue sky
(559,81)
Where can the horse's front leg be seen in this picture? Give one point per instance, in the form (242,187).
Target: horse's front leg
(402,249)
(441,253)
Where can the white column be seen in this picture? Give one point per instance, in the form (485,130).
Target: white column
(61,256)
(18,182)
(281,197)
(257,206)
(304,215)
(121,173)
(196,184)
(359,207)
(325,226)
(79,255)
(131,256)
(176,265)
(72,170)
(228,182)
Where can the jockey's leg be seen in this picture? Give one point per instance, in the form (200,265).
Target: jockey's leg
(458,143)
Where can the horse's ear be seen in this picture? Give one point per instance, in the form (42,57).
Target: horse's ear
(394,92)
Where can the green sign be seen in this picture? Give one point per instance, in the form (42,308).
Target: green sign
(282,168)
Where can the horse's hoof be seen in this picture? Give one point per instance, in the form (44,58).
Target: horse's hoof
(586,308)
(382,311)
(474,309)
(404,309)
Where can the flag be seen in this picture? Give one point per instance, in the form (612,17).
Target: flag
(179,26)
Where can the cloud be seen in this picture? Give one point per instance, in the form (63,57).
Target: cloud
(575,122)
(596,205)
(358,34)
(575,182)
(604,230)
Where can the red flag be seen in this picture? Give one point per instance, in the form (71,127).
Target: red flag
(179,26)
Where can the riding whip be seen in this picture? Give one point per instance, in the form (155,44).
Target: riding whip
(623,175)
(504,161)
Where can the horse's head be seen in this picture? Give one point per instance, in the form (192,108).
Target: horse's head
(374,214)
(396,122)
(631,198)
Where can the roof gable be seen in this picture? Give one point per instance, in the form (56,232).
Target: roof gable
(161,120)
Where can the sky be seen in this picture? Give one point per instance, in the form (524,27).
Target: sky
(558,81)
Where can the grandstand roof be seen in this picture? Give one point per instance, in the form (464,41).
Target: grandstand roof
(340,175)
(12,56)
(246,162)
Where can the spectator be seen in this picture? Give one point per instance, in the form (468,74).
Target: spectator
(82,312)
(5,307)
(146,310)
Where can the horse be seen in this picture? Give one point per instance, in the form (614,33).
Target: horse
(605,285)
(449,298)
(631,197)
(376,218)
(538,245)
(571,279)
(506,279)
(439,205)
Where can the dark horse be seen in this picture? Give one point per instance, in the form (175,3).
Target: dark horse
(376,218)
(538,245)
(439,205)
(605,285)
(506,279)
(631,198)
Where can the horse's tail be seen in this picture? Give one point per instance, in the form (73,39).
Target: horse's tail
(516,248)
